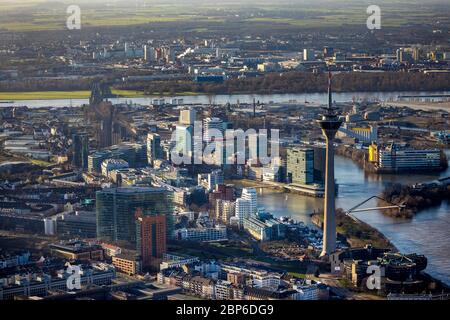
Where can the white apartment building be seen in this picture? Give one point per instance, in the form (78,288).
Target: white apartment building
(216,233)
(223,290)
(251,195)
(264,280)
(224,210)
(243,210)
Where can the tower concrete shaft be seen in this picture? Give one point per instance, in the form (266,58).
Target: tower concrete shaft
(329,230)
(330,124)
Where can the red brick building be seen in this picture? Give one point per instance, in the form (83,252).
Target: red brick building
(151,238)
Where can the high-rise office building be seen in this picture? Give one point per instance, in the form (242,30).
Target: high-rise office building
(184,139)
(116,208)
(251,195)
(149,53)
(308,55)
(80,143)
(154,149)
(151,237)
(320,158)
(300,165)
(209,126)
(256,147)
(328,52)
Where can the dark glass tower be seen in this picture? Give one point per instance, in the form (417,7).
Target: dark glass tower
(80,143)
(116,209)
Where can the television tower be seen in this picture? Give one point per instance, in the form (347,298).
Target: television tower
(330,124)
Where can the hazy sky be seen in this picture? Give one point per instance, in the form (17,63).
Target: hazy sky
(253,2)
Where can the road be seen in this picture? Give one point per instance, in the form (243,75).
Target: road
(338,289)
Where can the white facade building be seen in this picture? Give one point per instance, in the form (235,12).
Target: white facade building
(216,233)
(266,280)
(208,125)
(400,159)
(251,195)
(184,139)
(308,292)
(243,210)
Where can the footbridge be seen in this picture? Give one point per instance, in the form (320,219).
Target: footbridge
(355,209)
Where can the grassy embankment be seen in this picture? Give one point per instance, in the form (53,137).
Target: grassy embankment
(358,233)
(84,94)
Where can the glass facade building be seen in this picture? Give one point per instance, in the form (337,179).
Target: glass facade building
(300,165)
(116,210)
(135,154)
(80,151)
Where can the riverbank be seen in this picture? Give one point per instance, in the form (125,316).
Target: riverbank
(356,155)
(415,198)
(426,233)
(359,157)
(192,98)
(359,234)
(56,95)
(293,82)
(356,232)
(247,183)
(301,82)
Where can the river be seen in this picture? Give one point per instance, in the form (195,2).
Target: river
(427,233)
(316,98)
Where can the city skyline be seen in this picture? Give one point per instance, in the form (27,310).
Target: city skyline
(234,153)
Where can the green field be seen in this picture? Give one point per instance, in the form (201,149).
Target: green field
(44,95)
(84,94)
(52,95)
(36,15)
(41,163)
